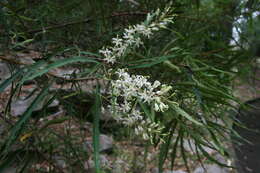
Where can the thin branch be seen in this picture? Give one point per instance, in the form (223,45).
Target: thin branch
(83,21)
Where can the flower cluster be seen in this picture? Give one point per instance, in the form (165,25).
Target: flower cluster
(137,86)
(131,36)
(145,128)
(132,89)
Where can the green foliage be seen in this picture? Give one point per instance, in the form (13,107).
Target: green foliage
(96,117)
(193,55)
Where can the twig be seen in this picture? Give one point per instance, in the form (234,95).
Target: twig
(212,51)
(133,2)
(84,21)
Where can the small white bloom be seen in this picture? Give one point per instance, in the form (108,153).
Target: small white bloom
(130,31)
(156,84)
(163,107)
(156,107)
(145,136)
(117,41)
(106,52)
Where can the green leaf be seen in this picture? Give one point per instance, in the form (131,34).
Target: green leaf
(55,121)
(172,66)
(23,43)
(8,81)
(90,53)
(183,153)
(208,156)
(31,70)
(146,111)
(60,63)
(183,113)
(174,151)
(19,125)
(150,61)
(96,117)
(164,149)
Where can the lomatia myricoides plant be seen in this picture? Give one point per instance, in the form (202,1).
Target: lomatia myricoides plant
(129,92)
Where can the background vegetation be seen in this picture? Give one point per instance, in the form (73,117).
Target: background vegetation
(194,55)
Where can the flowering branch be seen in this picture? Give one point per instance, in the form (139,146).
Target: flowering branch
(131,37)
(130,90)
(133,89)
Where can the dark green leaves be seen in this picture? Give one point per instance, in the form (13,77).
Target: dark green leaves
(96,118)
(20,124)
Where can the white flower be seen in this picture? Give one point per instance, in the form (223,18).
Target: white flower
(156,107)
(145,136)
(156,84)
(106,52)
(117,41)
(129,38)
(109,57)
(132,36)
(131,88)
(130,31)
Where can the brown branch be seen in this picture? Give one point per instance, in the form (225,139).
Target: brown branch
(10,60)
(205,54)
(84,21)
(58,26)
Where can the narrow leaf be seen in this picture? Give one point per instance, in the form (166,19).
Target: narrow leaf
(96,114)
(18,127)
(60,63)
(8,81)
(183,113)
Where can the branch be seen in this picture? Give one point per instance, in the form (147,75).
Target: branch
(83,21)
